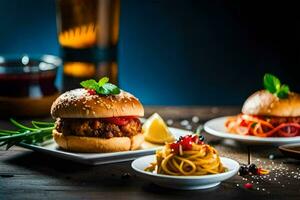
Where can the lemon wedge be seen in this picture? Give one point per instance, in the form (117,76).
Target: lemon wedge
(156,131)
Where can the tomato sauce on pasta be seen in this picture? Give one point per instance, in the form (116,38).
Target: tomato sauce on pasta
(189,156)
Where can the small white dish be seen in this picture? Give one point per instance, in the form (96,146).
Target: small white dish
(184,182)
(217,128)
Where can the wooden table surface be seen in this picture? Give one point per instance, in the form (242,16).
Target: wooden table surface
(29,175)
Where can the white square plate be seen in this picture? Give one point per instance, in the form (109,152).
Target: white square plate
(51,148)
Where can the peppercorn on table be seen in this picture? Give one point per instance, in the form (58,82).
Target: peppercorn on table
(29,175)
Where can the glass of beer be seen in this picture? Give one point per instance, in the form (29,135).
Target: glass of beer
(88,33)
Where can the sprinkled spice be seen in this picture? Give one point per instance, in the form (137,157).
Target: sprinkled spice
(281,176)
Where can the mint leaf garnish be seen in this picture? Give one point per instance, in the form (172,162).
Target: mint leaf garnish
(101,87)
(273,85)
(90,84)
(112,88)
(102,81)
(283,92)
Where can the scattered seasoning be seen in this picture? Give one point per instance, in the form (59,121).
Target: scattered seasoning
(271,157)
(281,176)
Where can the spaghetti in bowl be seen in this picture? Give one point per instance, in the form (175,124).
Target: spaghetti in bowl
(188,156)
(180,181)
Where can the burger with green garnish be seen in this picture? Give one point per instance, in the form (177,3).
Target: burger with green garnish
(97,118)
(272,112)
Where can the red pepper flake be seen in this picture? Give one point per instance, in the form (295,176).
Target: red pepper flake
(248,185)
(91,92)
(186,143)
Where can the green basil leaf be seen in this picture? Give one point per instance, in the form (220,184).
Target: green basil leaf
(113,89)
(101,87)
(271,83)
(283,92)
(102,90)
(102,81)
(90,84)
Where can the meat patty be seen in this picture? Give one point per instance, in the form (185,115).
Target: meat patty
(97,128)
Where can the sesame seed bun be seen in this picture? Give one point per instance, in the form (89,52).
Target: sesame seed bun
(266,104)
(79,103)
(97,145)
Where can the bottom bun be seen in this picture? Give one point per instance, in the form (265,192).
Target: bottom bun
(97,145)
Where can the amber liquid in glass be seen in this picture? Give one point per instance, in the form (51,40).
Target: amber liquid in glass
(88,33)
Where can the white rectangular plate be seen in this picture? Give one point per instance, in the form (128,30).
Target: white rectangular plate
(51,148)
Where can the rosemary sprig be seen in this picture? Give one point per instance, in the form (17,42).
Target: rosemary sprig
(37,134)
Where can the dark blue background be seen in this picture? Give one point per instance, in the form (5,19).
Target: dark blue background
(179,52)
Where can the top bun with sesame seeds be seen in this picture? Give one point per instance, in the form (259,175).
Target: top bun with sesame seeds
(80,103)
(264,103)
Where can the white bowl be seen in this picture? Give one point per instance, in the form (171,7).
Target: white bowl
(184,182)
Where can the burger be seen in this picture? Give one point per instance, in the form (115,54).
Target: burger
(87,121)
(273,112)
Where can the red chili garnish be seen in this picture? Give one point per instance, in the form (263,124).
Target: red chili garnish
(175,147)
(248,185)
(185,142)
(244,123)
(91,92)
(195,139)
